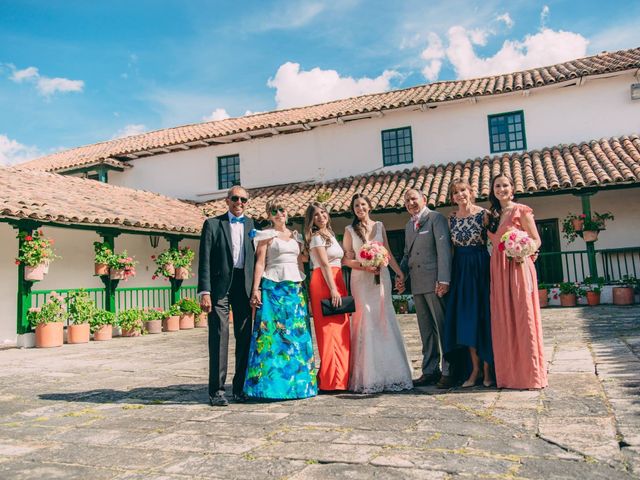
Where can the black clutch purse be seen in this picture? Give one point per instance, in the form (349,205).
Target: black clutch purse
(348,306)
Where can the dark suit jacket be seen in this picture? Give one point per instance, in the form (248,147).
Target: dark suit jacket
(216,257)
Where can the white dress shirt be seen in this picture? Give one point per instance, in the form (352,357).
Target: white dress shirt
(237,241)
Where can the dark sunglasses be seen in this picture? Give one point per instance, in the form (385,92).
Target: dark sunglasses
(235,198)
(274,211)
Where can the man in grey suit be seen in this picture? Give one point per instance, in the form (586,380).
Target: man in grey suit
(225,278)
(427,262)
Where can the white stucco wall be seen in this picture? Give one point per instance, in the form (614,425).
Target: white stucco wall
(599,108)
(8,284)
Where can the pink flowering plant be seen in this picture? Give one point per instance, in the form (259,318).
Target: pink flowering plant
(374,254)
(35,249)
(163,262)
(517,245)
(52,311)
(122,261)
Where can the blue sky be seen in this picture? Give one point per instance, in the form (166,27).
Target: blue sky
(78,72)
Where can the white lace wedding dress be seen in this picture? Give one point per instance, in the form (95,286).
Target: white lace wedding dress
(379,359)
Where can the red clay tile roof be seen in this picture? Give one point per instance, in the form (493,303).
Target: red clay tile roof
(597,163)
(54,198)
(297,119)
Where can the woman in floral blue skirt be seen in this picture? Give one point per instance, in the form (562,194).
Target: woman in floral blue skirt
(281,364)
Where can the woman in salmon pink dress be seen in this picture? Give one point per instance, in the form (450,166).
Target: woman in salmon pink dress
(516,327)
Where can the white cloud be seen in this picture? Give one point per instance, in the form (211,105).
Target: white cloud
(433,54)
(217,114)
(432,70)
(479,36)
(506,19)
(295,87)
(13,152)
(249,112)
(46,86)
(129,130)
(28,73)
(544,14)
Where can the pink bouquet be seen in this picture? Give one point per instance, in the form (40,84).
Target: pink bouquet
(517,244)
(374,254)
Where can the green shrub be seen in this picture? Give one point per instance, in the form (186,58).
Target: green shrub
(80,307)
(131,320)
(52,311)
(100,318)
(188,305)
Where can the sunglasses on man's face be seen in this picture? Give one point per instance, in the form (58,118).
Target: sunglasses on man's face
(235,198)
(274,211)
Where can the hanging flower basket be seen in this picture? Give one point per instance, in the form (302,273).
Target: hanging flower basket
(101,269)
(117,274)
(578,224)
(590,235)
(181,273)
(122,266)
(35,273)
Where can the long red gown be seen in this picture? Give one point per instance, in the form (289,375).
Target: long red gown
(516,327)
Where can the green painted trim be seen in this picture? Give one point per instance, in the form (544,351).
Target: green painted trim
(384,160)
(174,242)
(585,198)
(235,181)
(93,168)
(24,286)
(524,132)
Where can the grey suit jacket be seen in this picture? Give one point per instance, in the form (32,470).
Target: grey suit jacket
(427,252)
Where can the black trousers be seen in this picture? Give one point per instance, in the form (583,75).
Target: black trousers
(237,299)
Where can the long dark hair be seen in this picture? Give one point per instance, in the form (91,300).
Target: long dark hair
(496,209)
(357,224)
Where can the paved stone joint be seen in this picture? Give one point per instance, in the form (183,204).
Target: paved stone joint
(136,408)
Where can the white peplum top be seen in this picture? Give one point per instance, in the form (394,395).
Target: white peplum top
(281,263)
(334,251)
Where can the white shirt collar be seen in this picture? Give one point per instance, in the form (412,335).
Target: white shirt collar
(232,216)
(418,216)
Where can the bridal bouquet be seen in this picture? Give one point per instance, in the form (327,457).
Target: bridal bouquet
(517,244)
(374,254)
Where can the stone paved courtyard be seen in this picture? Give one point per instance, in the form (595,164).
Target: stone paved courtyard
(137,409)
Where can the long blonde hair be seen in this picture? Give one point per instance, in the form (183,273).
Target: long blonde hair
(310,228)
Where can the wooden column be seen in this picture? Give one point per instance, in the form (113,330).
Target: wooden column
(109,285)
(24,286)
(591,249)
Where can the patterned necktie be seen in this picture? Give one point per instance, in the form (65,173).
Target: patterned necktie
(237,220)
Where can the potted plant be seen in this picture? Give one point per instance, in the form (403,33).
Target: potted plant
(102,258)
(171,319)
(130,322)
(101,325)
(122,266)
(36,253)
(189,308)
(594,224)
(183,260)
(48,321)
(400,304)
(165,264)
(80,309)
(593,287)
(571,225)
(202,320)
(153,321)
(623,291)
(543,294)
(569,293)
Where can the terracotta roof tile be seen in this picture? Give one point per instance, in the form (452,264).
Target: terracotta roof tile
(297,117)
(50,197)
(561,167)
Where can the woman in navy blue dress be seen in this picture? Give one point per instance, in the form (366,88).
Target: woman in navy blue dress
(468,314)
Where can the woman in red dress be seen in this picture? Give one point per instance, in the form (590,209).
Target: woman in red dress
(332,332)
(516,327)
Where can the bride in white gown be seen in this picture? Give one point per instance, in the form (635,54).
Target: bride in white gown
(379,359)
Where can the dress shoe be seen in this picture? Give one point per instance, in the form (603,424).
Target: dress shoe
(445,382)
(218,400)
(425,380)
(489,383)
(472,383)
(240,397)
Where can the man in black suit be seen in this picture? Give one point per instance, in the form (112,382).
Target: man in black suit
(225,277)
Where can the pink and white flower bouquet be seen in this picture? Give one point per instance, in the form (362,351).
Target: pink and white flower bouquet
(374,254)
(517,244)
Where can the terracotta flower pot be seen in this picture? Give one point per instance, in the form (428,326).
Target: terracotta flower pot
(171,324)
(104,333)
(543,295)
(49,335)
(78,333)
(203,321)
(101,268)
(593,299)
(578,224)
(170,269)
(116,274)
(153,326)
(590,235)
(181,273)
(34,274)
(130,333)
(568,299)
(187,321)
(623,295)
